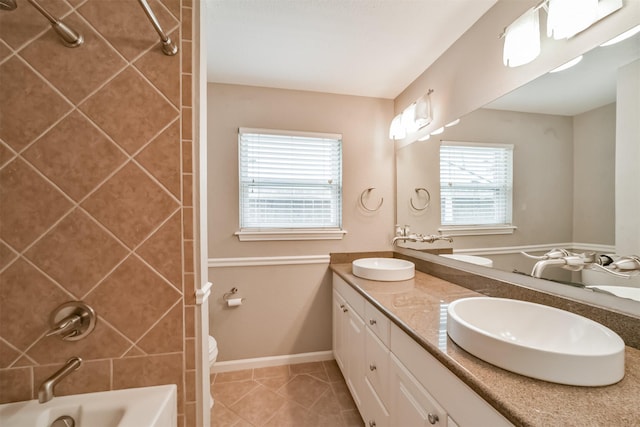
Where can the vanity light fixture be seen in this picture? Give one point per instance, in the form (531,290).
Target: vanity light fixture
(567,65)
(438,131)
(453,123)
(522,39)
(627,34)
(396,131)
(414,117)
(566,18)
(409,122)
(424,138)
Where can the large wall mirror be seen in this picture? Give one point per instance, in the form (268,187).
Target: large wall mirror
(565,128)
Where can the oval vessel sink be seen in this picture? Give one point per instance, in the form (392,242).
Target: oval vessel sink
(620,291)
(383,269)
(537,341)
(472,259)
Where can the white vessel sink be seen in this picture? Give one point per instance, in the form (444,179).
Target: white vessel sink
(383,269)
(135,407)
(537,341)
(472,259)
(620,291)
(591,277)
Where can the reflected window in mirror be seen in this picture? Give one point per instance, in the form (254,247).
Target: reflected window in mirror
(476,184)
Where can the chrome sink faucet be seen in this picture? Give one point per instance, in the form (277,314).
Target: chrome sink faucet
(404,234)
(45,392)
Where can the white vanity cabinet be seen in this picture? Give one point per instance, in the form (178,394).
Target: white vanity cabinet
(393,380)
(412,404)
(349,337)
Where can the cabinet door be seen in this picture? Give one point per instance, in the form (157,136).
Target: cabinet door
(412,405)
(339,330)
(355,356)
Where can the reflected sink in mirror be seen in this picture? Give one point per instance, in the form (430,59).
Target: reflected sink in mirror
(472,259)
(135,407)
(620,291)
(537,341)
(383,269)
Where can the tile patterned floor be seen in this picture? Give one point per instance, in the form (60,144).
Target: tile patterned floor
(301,395)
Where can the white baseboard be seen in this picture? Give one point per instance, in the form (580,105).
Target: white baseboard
(264,362)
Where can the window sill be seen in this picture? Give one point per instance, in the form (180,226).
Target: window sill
(479,230)
(258,235)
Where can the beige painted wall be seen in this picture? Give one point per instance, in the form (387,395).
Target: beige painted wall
(628,160)
(288,307)
(594,143)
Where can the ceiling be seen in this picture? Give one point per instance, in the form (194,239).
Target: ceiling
(372,48)
(588,85)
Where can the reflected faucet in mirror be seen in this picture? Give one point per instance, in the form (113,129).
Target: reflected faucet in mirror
(404,234)
(621,266)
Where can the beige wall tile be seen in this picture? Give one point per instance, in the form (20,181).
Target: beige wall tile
(28,296)
(77,253)
(131,205)
(75,155)
(15,384)
(26,117)
(161,157)
(96,61)
(30,205)
(133,298)
(167,335)
(147,371)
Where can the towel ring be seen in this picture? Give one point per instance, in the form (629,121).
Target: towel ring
(366,192)
(426,205)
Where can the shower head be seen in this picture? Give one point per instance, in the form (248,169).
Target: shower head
(8,4)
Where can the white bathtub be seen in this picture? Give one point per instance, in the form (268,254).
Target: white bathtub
(135,407)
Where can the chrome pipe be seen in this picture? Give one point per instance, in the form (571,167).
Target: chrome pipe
(168,46)
(69,36)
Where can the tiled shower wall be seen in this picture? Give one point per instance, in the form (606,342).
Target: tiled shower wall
(96,198)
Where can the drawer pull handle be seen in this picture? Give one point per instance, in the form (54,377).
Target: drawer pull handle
(433,418)
(372,424)
(341,305)
(372,367)
(372,322)
(344,309)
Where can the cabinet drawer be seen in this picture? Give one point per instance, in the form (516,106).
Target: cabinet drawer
(353,298)
(377,365)
(377,322)
(374,412)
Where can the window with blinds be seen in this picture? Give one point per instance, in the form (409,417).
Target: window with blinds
(290,180)
(476,182)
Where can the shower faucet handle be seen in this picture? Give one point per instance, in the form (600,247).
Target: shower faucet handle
(72,321)
(67,327)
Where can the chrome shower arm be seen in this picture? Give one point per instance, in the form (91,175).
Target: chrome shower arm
(69,36)
(168,46)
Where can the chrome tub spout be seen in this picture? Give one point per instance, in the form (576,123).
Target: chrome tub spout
(45,392)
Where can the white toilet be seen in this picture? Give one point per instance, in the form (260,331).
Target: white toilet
(213,354)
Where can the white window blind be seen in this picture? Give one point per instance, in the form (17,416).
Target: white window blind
(290,180)
(476,182)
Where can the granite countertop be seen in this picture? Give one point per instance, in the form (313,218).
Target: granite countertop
(415,306)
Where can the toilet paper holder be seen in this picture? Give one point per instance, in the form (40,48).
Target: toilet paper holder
(232,295)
